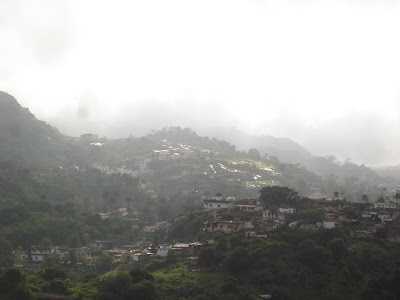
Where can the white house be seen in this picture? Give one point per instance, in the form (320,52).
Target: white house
(269,224)
(329,223)
(250,232)
(142,256)
(36,256)
(369,214)
(99,244)
(217,204)
(385,205)
(247,207)
(287,210)
(267,215)
(39,254)
(383,215)
(248,225)
(366,214)
(104,215)
(162,250)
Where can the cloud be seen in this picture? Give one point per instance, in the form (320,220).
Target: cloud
(324,74)
(366,137)
(140,117)
(86,103)
(34,34)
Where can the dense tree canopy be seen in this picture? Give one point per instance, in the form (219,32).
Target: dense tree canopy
(278,195)
(137,284)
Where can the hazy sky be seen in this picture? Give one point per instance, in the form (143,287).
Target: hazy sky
(323,73)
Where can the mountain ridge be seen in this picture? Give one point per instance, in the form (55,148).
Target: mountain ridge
(23,137)
(285,149)
(40,145)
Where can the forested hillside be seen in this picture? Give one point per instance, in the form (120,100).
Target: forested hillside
(171,161)
(94,218)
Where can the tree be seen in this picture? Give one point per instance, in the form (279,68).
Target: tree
(53,273)
(46,244)
(115,286)
(72,257)
(380,199)
(273,212)
(69,208)
(5,253)
(313,255)
(374,289)
(255,222)
(222,244)
(277,195)
(105,196)
(85,237)
(115,199)
(163,209)
(50,261)
(13,286)
(103,264)
(364,198)
(301,185)
(121,285)
(171,257)
(74,241)
(335,195)
(254,154)
(145,290)
(338,248)
(139,275)
(207,256)
(397,196)
(238,260)
(128,201)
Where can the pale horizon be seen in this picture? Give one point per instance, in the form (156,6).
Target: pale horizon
(324,74)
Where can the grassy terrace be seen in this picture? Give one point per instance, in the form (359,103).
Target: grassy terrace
(260,183)
(250,165)
(261,174)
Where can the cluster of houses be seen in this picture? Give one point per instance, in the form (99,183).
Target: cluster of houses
(251,218)
(138,165)
(141,251)
(162,225)
(229,215)
(246,215)
(378,217)
(182,251)
(89,254)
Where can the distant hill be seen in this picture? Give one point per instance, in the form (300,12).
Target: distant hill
(388,171)
(239,170)
(208,165)
(288,151)
(196,164)
(284,149)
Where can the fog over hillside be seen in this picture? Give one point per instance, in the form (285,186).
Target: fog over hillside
(206,149)
(285,69)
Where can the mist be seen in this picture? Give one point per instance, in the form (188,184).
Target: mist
(322,74)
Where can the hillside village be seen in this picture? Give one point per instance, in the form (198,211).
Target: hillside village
(253,218)
(207,221)
(178,158)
